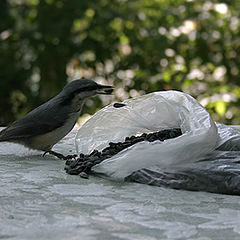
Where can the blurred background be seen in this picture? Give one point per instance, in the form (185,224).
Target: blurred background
(139,46)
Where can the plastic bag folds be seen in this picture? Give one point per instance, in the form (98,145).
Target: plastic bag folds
(150,113)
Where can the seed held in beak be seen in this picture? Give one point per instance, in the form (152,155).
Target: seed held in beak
(104,89)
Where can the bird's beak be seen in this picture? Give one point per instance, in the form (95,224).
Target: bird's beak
(104,89)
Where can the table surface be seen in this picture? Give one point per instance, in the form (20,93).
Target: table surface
(38,200)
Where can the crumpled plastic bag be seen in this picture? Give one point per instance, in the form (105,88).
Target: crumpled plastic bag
(229,138)
(218,172)
(149,113)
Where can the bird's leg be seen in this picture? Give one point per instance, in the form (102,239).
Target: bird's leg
(61,156)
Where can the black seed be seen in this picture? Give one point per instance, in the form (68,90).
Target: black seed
(119,105)
(112,152)
(152,138)
(94,152)
(84,163)
(132,138)
(135,140)
(104,154)
(126,144)
(140,138)
(89,164)
(106,149)
(83,175)
(111,144)
(148,137)
(119,147)
(98,161)
(69,162)
(75,163)
(144,135)
(81,155)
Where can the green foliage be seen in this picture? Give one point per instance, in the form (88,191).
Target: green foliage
(139,46)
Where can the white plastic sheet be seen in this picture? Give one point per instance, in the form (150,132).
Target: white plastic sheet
(150,113)
(229,138)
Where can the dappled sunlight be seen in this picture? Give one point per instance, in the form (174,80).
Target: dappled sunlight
(136,46)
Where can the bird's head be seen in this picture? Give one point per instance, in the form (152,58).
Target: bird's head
(80,89)
(77,91)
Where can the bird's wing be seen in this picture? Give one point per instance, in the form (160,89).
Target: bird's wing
(27,130)
(41,120)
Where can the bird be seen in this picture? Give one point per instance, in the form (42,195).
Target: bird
(47,124)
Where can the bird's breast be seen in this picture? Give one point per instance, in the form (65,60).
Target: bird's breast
(46,141)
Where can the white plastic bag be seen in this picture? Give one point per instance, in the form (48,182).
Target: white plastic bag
(229,138)
(150,113)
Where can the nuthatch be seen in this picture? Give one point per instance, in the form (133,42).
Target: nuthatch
(47,124)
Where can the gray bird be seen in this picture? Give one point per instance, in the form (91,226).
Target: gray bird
(47,124)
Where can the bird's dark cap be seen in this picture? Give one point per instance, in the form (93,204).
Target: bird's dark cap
(87,85)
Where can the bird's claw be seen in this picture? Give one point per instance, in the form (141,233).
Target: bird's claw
(60,156)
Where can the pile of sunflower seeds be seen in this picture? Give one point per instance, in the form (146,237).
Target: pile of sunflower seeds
(83,164)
